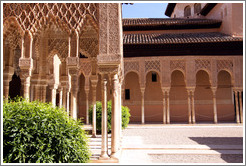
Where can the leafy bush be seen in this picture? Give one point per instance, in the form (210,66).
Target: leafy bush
(35,132)
(125,115)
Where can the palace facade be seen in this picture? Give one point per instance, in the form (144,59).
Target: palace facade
(184,69)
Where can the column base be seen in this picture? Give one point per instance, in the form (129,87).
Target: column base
(115,155)
(94,136)
(104,156)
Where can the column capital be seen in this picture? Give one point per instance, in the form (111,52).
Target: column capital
(26,63)
(165,89)
(237,89)
(72,62)
(94,79)
(214,89)
(142,89)
(191,89)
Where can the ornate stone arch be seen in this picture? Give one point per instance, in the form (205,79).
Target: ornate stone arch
(178,65)
(229,72)
(180,71)
(209,74)
(54,52)
(227,65)
(131,66)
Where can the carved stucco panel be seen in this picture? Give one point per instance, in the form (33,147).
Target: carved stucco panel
(152,65)
(203,64)
(225,64)
(31,16)
(131,66)
(177,65)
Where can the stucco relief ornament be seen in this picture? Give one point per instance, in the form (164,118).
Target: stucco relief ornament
(203,64)
(177,64)
(225,64)
(72,61)
(25,63)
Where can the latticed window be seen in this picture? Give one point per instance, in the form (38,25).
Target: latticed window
(197,8)
(187,11)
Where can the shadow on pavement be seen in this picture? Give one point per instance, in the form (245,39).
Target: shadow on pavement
(225,141)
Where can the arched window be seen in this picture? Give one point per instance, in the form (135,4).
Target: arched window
(187,11)
(197,7)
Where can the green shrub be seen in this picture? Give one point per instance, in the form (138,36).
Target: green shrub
(35,132)
(125,115)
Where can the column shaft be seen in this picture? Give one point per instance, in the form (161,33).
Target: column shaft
(168,108)
(74,104)
(64,98)
(60,98)
(68,101)
(142,106)
(189,107)
(104,149)
(87,105)
(53,96)
(193,107)
(241,106)
(164,108)
(115,118)
(237,108)
(94,110)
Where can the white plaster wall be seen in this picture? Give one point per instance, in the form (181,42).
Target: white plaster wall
(231,15)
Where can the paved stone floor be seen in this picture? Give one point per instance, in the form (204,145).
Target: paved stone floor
(202,143)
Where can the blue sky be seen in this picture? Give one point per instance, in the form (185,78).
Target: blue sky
(144,10)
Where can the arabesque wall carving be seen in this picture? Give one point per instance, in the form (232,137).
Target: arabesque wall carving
(31,16)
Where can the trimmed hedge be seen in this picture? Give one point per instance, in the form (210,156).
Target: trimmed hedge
(125,115)
(35,132)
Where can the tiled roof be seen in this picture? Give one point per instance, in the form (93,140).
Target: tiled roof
(153,38)
(133,24)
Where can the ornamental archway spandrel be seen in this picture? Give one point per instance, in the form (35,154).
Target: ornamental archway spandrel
(31,15)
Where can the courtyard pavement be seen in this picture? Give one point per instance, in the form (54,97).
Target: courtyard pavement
(200,143)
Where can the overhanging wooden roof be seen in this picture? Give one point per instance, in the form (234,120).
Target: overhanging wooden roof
(138,24)
(212,43)
(181,38)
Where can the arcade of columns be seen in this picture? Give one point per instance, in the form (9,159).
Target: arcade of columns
(40,37)
(42,43)
(189,66)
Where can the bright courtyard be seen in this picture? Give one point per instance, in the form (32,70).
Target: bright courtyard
(201,143)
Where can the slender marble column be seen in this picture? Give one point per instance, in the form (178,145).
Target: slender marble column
(164,107)
(193,107)
(115,118)
(53,96)
(168,107)
(241,106)
(68,101)
(214,104)
(60,97)
(189,107)
(237,108)
(74,95)
(94,84)
(87,105)
(104,147)
(64,97)
(6,90)
(32,92)
(142,105)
